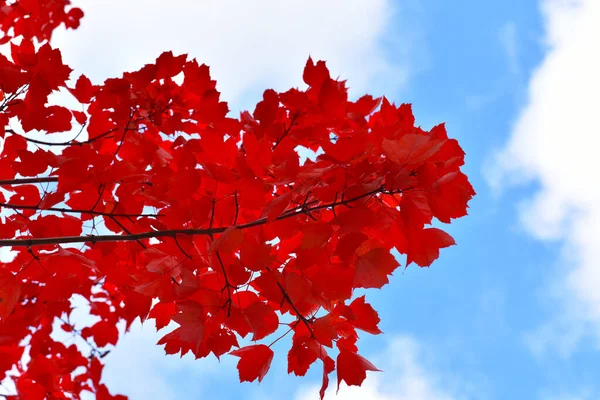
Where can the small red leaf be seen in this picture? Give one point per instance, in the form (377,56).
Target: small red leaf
(411,148)
(316,234)
(373,268)
(315,74)
(10,291)
(162,313)
(352,368)
(254,363)
(80,117)
(229,241)
(103,332)
(262,319)
(84,90)
(277,206)
(365,317)
(424,247)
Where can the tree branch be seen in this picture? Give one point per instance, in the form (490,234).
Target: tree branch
(28,242)
(75,211)
(27,181)
(72,142)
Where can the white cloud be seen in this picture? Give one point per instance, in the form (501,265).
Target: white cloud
(555,142)
(509,41)
(6,255)
(249,45)
(138,368)
(409,375)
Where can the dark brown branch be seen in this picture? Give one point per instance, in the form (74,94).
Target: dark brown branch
(228,285)
(237,209)
(28,242)
(125,130)
(71,142)
(127,231)
(75,211)
(67,143)
(28,181)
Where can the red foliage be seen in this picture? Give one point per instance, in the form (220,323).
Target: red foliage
(161,206)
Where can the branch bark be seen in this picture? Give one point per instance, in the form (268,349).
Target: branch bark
(28,181)
(29,242)
(76,211)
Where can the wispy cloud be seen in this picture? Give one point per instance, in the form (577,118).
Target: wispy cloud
(509,41)
(248,45)
(410,374)
(555,142)
(140,369)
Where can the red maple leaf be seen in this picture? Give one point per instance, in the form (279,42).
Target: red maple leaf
(254,363)
(10,291)
(352,368)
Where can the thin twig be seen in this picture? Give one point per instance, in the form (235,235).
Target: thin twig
(286,131)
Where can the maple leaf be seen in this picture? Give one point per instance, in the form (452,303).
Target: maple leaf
(303,353)
(315,74)
(191,323)
(415,209)
(324,330)
(228,241)
(277,206)
(352,368)
(424,247)
(83,90)
(363,316)
(449,196)
(80,117)
(262,320)
(315,234)
(373,268)
(52,225)
(411,149)
(255,255)
(103,332)
(167,65)
(162,313)
(30,390)
(254,363)
(328,367)
(102,393)
(10,292)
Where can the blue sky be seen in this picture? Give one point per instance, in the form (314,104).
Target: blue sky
(512,311)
